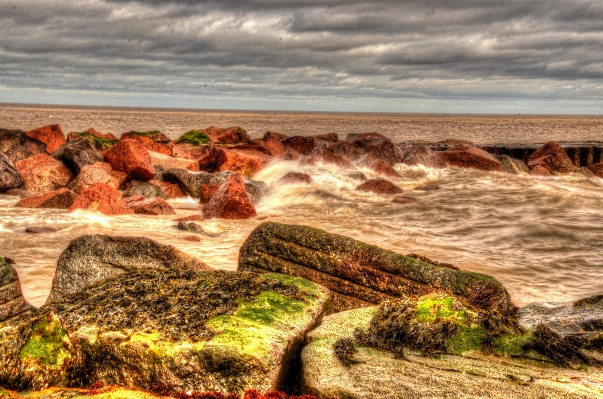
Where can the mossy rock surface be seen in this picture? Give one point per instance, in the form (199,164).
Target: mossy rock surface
(100,143)
(194,137)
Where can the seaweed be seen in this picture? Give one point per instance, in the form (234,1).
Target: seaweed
(99,143)
(344,350)
(194,137)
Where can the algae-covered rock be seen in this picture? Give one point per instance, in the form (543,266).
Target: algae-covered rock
(12,302)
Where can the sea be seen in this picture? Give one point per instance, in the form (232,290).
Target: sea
(542,237)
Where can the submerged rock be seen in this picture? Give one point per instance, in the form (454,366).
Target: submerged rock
(296,178)
(12,302)
(379,186)
(512,165)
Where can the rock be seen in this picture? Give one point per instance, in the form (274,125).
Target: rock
(255,188)
(325,156)
(541,170)
(145,189)
(433,187)
(169,162)
(268,146)
(16,145)
(100,141)
(51,135)
(230,201)
(423,155)
(77,153)
(99,172)
(171,190)
(42,173)
(328,137)
(154,141)
(9,176)
(20,193)
(207,191)
(367,148)
(379,186)
(468,156)
(191,218)
(40,230)
(584,171)
(402,199)
(244,334)
(275,136)
(553,157)
(359,274)
(12,302)
(59,199)
(244,162)
(511,165)
(194,228)
(298,145)
(91,258)
(597,169)
(131,158)
(189,182)
(230,135)
(149,206)
(194,138)
(102,198)
(296,178)
(379,374)
(207,156)
(383,169)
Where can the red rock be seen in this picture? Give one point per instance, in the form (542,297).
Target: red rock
(423,155)
(230,135)
(379,186)
(153,141)
(329,137)
(206,156)
(231,201)
(191,218)
(169,162)
(552,156)
(42,173)
(326,156)
(597,169)
(51,135)
(192,238)
(367,148)
(172,190)
(299,145)
(294,177)
(383,169)
(131,158)
(208,191)
(275,136)
(149,206)
(402,199)
(108,136)
(244,162)
(103,198)
(100,172)
(541,170)
(468,156)
(59,199)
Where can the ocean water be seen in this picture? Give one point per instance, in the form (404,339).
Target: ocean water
(542,237)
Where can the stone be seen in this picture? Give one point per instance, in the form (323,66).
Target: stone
(40,230)
(9,176)
(16,145)
(131,158)
(145,189)
(553,157)
(12,302)
(512,165)
(379,186)
(207,191)
(402,199)
(541,170)
(367,148)
(255,188)
(323,155)
(171,190)
(230,201)
(268,146)
(207,156)
(100,141)
(20,193)
(432,187)
(295,178)
(102,198)
(168,162)
(99,172)
(328,137)
(585,171)
(51,135)
(154,141)
(189,182)
(42,173)
(244,162)
(423,155)
(299,145)
(468,156)
(275,136)
(149,206)
(91,258)
(384,169)
(78,153)
(192,238)
(194,228)
(230,135)
(359,274)
(59,199)
(597,169)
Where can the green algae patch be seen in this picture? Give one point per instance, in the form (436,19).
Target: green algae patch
(512,344)
(194,137)
(304,285)
(47,343)
(98,142)
(147,134)
(467,340)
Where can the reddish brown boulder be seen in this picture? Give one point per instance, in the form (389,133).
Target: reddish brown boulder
(423,155)
(597,169)
(100,141)
(107,136)
(191,218)
(208,191)
(42,173)
(541,170)
(59,199)
(131,158)
(230,135)
(206,156)
(325,156)
(295,178)
(51,135)
(245,162)
(275,135)
(367,148)
(383,169)
(149,206)
(552,156)
(153,141)
(379,186)
(298,145)
(172,190)
(103,198)
(468,156)
(192,238)
(17,145)
(100,172)
(231,201)
(402,199)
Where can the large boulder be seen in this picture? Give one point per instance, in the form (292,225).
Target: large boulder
(99,172)
(152,140)
(102,198)
(51,135)
(367,148)
(423,155)
(384,169)
(132,158)
(207,156)
(230,135)
(12,302)
(298,145)
(9,176)
(144,189)
(379,186)
(169,162)
(469,156)
(149,206)
(189,182)
(59,199)
(230,201)
(359,274)
(244,162)
(552,157)
(92,258)
(171,190)
(99,140)
(255,188)
(42,173)
(17,145)
(78,153)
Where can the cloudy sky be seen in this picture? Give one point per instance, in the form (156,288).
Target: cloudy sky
(468,56)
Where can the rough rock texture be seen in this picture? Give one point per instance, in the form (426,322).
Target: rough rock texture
(77,153)
(468,156)
(42,173)
(230,135)
(379,186)
(189,182)
(553,157)
(145,189)
(541,170)
(17,145)
(208,191)
(244,162)
(9,176)
(296,145)
(99,172)
(379,374)
(132,158)
(102,198)
(20,193)
(230,201)
(51,135)
(423,155)
(328,137)
(153,141)
(325,156)
(384,169)
(60,199)
(255,188)
(360,274)
(275,136)
(207,156)
(367,148)
(149,206)
(171,190)
(194,228)
(99,140)
(92,258)
(12,302)
(168,162)
(512,165)
(295,178)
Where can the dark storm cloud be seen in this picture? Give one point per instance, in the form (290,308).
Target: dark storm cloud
(305,49)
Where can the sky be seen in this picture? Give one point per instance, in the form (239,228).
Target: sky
(454,56)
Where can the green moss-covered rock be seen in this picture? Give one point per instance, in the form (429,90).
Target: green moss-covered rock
(194,137)
(100,143)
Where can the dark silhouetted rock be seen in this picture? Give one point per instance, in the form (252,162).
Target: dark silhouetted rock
(230,201)
(59,199)
(553,157)
(17,145)
(77,153)
(433,187)
(40,230)
(468,156)
(149,206)
(12,302)
(102,198)
(51,135)
(379,186)
(9,176)
(189,182)
(131,158)
(42,173)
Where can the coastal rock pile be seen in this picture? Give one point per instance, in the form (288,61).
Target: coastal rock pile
(12,302)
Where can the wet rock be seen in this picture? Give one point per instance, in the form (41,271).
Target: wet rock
(207,191)
(91,258)
(153,141)
(355,175)
(77,153)
(168,162)
(207,156)
(99,172)
(192,238)
(40,230)
(541,170)
(367,148)
(433,187)
(194,228)
(423,155)
(402,199)
(171,190)
(145,189)
(230,135)
(512,165)
(99,140)
(379,186)
(328,137)
(585,171)
(468,156)
(244,162)
(20,193)
(275,136)
(359,274)
(12,302)
(299,145)
(383,169)
(296,178)
(102,198)
(51,135)
(324,155)
(60,199)
(9,176)
(189,182)
(131,158)
(42,173)
(17,145)
(149,206)
(230,201)
(553,157)
(255,188)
